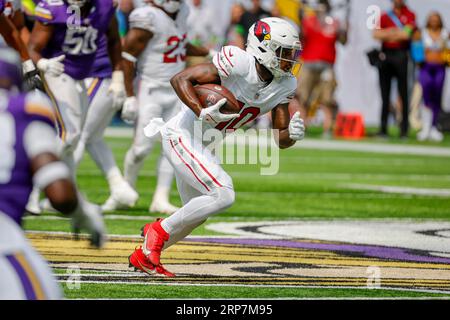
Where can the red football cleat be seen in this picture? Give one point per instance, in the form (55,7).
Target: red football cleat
(144,229)
(155,237)
(140,262)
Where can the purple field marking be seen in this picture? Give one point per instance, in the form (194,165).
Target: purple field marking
(389,253)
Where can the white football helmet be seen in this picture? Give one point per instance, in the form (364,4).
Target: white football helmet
(275,43)
(171,6)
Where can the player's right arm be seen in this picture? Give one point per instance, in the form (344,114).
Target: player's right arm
(184,82)
(18,20)
(227,63)
(40,37)
(135,43)
(141,32)
(12,37)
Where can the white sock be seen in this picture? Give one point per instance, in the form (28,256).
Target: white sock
(197,210)
(103,156)
(165,173)
(427,119)
(161,194)
(165,178)
(174,238)
(114,177)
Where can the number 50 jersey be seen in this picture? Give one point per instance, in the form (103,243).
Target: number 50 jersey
(74,36)
(165,54)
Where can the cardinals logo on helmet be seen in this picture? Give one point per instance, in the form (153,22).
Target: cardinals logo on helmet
(262,31)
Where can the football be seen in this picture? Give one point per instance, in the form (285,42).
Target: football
(210,94)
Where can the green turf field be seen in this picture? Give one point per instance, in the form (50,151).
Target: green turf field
(312,185)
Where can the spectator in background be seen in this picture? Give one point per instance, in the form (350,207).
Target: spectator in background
(235,32)
(288,9)
(317,82)
(396,29)
(249,17)
(202,25)
(203,32)
(432,76)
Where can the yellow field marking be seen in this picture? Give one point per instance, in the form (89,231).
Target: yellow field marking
(203,262)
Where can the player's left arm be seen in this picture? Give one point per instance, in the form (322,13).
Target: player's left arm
(287,131)
(114,45)
(18,20)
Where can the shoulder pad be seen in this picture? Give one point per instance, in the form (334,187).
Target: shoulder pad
(231,60)
(144,18)
(51,11)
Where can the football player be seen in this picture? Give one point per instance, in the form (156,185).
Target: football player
(100,113)
(29,155)
(156,47)
(63,44)
(262,79)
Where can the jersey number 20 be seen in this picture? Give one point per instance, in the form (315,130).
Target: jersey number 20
(246,115)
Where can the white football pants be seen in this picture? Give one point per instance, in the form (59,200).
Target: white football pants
(161,102)
(204,187)
(71,100)
(99,115)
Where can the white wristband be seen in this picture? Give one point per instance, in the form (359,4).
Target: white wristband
(28,66)
(129,57)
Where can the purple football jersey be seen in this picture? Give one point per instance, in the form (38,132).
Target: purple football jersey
(15,171)
(102,65)
(77,38)
(2,6)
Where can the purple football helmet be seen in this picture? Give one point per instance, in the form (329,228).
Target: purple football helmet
(10,69)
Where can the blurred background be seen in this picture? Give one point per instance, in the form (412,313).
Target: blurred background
(337,79)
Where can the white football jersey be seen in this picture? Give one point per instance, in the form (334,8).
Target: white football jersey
(165,54)
(238,74)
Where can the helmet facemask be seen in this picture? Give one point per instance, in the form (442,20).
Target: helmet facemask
(286,61)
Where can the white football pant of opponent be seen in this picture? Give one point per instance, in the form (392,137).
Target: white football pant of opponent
(99,115)
(161,102)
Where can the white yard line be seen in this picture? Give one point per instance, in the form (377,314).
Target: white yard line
(307,175)
(400,190)
(318,144)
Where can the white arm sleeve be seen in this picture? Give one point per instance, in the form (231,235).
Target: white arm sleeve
(39,138)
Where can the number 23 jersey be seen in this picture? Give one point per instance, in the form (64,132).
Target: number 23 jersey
(74,36)
(165,53)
